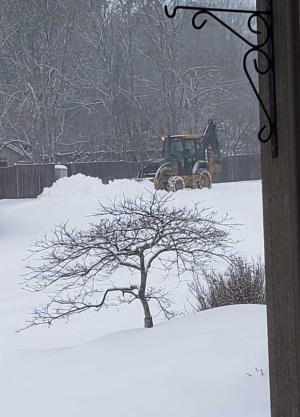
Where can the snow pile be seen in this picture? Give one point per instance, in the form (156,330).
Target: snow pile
(81,185)
(71,186)
(194,366)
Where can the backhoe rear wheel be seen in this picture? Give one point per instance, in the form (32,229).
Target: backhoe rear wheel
(203,179)
(175,183)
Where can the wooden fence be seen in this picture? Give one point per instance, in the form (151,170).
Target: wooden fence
(240,168)
(28,181)
(25,181)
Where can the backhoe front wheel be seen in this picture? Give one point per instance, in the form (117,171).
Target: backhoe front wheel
(175,183)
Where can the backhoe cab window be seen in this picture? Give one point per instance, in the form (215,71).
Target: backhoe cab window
(189,147)
(173,149)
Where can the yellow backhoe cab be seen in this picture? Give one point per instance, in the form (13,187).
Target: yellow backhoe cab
(187,161)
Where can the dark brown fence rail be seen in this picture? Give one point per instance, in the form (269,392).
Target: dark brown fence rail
(28,181)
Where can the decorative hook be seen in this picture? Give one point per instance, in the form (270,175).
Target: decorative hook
(268,131)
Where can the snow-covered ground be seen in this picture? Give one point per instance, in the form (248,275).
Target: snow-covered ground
(210,364)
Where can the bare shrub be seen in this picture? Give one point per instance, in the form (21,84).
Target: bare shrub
(242,283)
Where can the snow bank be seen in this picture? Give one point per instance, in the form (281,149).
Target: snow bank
(84,186)
(212,364)
(71,186)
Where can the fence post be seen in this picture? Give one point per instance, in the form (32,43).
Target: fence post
(17,181)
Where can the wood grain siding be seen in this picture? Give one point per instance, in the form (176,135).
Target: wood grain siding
(281,196)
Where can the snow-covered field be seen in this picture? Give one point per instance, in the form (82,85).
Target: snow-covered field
(210,364)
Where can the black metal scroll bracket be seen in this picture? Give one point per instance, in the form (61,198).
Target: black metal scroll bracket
(263,59)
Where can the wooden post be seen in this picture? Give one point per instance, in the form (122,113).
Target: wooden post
(17,181)
(281,196)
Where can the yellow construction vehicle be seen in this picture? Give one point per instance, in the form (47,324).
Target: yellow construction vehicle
(188,161)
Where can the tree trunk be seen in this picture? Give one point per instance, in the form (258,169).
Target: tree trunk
(148,318)
(147,315)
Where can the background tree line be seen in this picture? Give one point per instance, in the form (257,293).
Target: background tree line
(115,75)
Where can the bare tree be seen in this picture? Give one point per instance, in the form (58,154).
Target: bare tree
(78,267)
(36,48)
(237,138)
